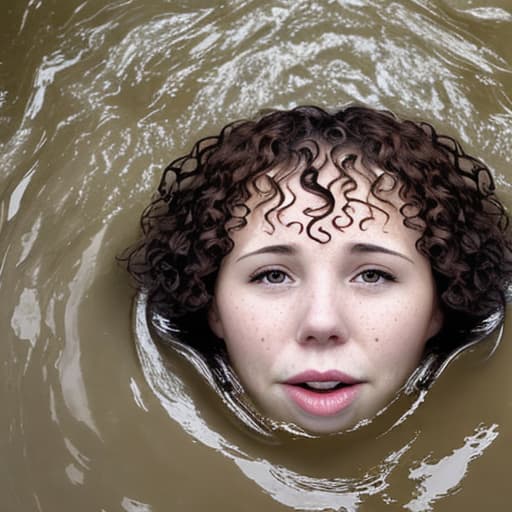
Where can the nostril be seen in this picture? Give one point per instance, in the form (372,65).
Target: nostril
(333,338)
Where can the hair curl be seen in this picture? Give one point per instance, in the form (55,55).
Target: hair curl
(448,196)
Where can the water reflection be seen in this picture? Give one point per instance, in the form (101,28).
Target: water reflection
(437,479)
(489,13)
(26,320)
(75,470)
(72,380)
(131,505)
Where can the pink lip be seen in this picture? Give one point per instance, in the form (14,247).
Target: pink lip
(322,403)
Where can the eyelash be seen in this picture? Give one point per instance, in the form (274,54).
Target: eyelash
(259,277)
(386,276)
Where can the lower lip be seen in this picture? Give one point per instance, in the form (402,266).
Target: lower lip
(322,404)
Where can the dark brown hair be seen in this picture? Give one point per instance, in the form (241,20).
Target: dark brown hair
(448,197)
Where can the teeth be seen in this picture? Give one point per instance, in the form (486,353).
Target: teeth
(323,385)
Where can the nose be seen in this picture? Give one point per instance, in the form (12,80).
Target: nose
(321,317)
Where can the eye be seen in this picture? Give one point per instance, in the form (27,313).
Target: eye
(272,276)
(374,276)
(370,276)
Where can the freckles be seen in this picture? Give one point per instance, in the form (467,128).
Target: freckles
(266,345)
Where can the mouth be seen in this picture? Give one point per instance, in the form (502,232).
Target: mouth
(322,386)
(322,393)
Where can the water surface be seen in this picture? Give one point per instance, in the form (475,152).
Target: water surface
(95,98)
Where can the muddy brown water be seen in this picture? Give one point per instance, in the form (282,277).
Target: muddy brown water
(95,98)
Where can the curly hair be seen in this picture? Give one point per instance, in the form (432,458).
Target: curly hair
(447,196)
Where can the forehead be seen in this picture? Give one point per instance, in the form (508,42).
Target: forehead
(321,202)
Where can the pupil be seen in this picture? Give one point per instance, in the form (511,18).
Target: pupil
(371,276)
(275,276)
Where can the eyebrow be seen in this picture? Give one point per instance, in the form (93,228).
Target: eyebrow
(361,248)
(271,249)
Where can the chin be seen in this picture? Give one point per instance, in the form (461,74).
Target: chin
(318,426)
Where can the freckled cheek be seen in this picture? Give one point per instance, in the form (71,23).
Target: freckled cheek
(382,326)
(271,331)
(399,341)
(249,323)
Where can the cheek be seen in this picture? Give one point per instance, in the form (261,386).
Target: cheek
(395,333)
(251,330)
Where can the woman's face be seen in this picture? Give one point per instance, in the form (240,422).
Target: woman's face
(324,335)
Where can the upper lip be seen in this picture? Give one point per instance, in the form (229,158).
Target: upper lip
(318,376)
